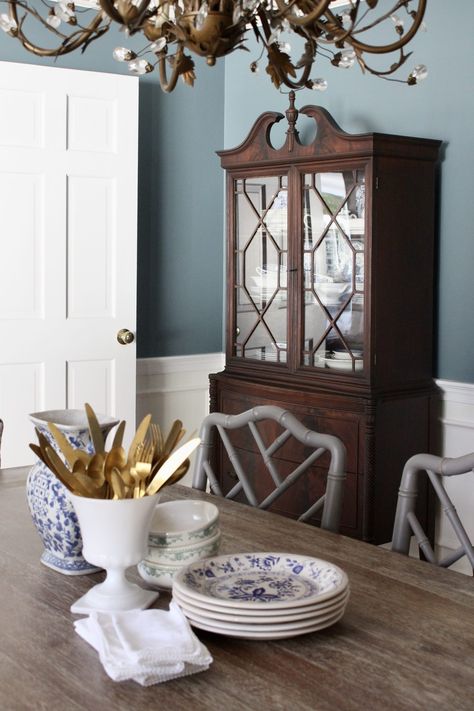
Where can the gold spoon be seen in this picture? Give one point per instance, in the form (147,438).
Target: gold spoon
(95,468)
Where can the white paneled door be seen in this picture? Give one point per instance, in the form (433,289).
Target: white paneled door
(68,233)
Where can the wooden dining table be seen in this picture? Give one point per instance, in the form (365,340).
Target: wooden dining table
(406,640)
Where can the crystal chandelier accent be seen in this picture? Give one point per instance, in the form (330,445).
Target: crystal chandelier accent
(345,32)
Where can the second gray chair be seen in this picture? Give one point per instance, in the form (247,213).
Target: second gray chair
(329,503)
(406,521)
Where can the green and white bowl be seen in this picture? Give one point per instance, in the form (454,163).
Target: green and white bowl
(162,564)
(182,555)
(183,523)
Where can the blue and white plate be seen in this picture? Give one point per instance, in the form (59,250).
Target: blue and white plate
(270,580)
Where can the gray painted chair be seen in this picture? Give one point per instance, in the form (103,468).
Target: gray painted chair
(406,522)
(331,501)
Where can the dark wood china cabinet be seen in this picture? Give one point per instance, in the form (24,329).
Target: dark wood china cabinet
(330,253)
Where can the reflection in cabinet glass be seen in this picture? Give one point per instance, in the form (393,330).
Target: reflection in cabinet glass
(333,258)
(261,254)
(330,252)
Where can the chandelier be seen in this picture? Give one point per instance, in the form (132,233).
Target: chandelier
(342,31)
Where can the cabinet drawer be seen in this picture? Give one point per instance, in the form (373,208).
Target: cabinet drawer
(340,424)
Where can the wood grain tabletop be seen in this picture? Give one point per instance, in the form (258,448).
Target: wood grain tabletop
(406,640)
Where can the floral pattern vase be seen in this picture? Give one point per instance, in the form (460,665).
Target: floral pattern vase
(50,507)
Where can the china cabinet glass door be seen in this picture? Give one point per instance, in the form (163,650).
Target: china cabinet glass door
(260,268)
(333,261)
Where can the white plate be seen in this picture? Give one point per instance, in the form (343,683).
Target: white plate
(345,355)
(267,634)
(258,623)
(218,612)
(274,580)
(341,363)
(258,628)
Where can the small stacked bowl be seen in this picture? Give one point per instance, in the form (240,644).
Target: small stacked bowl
(181,532)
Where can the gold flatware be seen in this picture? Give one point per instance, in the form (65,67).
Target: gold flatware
(118,437)
(138,439)
(116,458)
(41,455)
(179,473)
(117,484)
(171,465)
(174,435)
(158,438)
(70,481)
(95,468)
(94,427)
(71,454)
(149,465)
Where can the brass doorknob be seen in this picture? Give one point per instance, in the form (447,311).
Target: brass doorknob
(124,336)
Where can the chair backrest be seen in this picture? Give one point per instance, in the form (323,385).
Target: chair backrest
(406,521)
(317,444)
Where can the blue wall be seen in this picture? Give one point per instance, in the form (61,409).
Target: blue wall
(180,204)
(442,107)
(181,217)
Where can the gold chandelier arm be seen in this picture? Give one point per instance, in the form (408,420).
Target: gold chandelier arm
(319,10)
(386,73)
(141,12)
(279,69)
(168,84)
(82,36)
(296,84)
(394,46)
(108,6)
(109,9)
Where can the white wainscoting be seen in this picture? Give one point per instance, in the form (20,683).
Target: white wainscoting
(178,388)
(456,426)
(175,388)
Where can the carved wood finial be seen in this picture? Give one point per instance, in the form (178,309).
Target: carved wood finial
(291,116)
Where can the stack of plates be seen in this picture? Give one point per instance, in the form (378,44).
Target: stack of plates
(261,595)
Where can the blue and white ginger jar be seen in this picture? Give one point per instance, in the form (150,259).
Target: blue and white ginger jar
(49,504)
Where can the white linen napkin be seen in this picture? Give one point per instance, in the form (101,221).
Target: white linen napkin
(149,646)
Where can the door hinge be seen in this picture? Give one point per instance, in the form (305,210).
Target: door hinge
(376,183)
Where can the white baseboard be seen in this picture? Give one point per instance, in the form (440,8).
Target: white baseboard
(178,388)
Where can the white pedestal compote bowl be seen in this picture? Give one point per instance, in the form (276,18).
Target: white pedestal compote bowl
(115,537)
